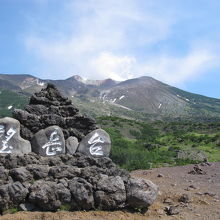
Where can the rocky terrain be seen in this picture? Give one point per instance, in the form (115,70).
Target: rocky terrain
(182,196)
(71,182)
(65,165)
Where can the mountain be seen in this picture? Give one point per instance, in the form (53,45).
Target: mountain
(141,98)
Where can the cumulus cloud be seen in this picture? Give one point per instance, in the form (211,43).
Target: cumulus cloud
(101,39)
(178,70)
(115,67)
(97,31)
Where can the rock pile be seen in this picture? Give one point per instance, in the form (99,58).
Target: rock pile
(63,163)
(48,107)
(54,126)
(197,170)
(73,182)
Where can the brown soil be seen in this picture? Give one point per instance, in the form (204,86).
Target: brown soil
(203,192)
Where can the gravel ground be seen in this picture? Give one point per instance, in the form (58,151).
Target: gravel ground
(182,196)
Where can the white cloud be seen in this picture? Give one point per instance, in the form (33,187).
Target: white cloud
(112,66)
(103,41)
(178,70)
(98,30)
(169,69)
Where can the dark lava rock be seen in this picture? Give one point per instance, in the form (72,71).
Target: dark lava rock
(184,198)
(197,170)
(17,192)
(71,145)
(172,210)
(142,193)
(10,139)
(111,193)
(38,171)
(27,207)
(82,193)
(48,195)
(48,107)
(33,182)
(20,174)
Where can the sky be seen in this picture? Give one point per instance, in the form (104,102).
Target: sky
(174,41)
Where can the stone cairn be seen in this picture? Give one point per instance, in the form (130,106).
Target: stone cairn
(52,157)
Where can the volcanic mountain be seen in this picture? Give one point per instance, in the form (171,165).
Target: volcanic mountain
(139,98)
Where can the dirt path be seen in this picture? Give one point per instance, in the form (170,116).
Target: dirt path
(201,201)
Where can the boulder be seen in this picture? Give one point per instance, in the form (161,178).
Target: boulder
(3,173)
(10,139)
(82,193)
(48,195)
(38,171)
(71,145)
(48,107)
(20,174)
(17,192)
(96,144)
(5,201)
(141,193)
(49,142)
(64,171)
(111,193)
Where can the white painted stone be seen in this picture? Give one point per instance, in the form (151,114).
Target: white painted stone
(10,139)
(97,144)
(49,142)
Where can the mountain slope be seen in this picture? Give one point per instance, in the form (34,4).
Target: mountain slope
(10,99)
(139,98)
(145,94)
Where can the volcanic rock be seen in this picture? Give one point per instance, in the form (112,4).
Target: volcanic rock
(141,193)
(48,107)
(10,139)
(82,193)
(172,210)
(111,193)
(48,142)
(83,182)
(197,170)
(71,145)
(185,198)
(97,143)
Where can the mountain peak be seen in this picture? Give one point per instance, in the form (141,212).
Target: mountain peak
(90,82)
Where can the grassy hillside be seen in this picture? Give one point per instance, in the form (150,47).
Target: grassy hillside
(199,105)
(136,145)
(9,98)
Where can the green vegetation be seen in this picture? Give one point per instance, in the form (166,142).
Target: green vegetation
(153,141)
(137,145)
(12,210)
(201,107)
(65,207)
(10,98)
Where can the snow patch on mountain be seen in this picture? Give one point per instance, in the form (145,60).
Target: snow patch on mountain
(122,97)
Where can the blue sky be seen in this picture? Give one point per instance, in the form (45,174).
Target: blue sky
(174,41)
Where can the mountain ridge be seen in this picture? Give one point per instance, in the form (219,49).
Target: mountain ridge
(143,95)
